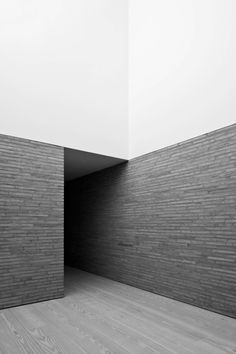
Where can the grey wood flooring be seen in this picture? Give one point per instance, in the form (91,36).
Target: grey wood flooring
(98,315)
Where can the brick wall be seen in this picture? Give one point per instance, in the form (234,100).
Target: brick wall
(164,222)
(31,221)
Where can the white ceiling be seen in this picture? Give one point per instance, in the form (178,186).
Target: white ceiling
(80,163)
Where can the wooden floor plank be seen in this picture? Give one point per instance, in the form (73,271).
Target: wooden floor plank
(167,324)
(209,322)
(99,315)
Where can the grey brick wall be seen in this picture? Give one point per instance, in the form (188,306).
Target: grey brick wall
(31,221)
(164,222)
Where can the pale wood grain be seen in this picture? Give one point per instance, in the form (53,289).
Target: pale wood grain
(102,316)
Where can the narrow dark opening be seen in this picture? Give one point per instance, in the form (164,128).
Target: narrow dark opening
(85,177)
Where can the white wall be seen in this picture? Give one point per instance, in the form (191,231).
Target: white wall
(182,70)
(63,73)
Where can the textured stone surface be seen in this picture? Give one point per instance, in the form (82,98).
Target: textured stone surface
(164,222)
(31,221)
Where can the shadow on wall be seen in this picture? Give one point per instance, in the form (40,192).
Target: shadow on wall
(87,200)
(163,222)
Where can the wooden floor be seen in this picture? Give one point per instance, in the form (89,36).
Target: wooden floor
(99,315)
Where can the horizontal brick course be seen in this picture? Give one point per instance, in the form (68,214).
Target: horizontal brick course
(163,222)
(31,221)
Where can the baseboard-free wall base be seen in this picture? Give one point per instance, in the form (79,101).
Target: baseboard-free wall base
(75,267)
(32,221)
(18,304)
(163,222)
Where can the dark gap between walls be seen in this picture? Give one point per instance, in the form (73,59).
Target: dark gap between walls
(163,222)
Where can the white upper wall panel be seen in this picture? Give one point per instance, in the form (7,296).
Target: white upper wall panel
(182,70)
(64,73)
